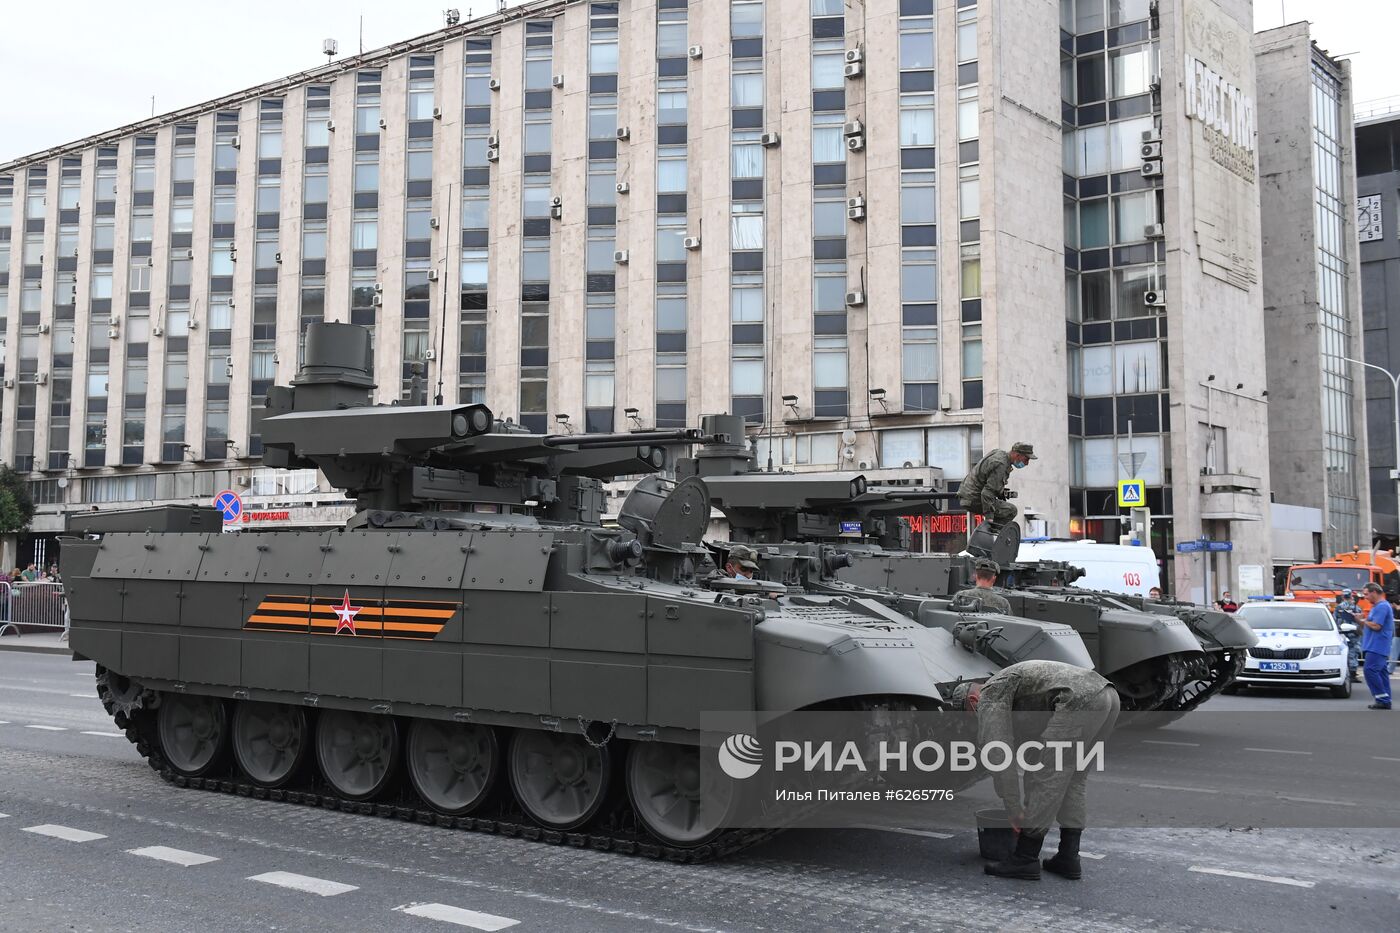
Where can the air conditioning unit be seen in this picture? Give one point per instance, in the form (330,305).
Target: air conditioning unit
(855,143)
(157,331)
(855,208)
(908,464)
(378,288)
(113,333)
(378,300)
(432,275)
(194,325)
(437,113)
(1155,297)
(493,141)
(9,383)
(383,123)
(691,242)
(277,258)
(556,207)
(493,155)
(695,51)
(1152,168)
(623,187)
(1154,231)
(43,328)
(236,142)
(865,465)
(1152,149)
(855,299)
(945,401)
(853,128)
(430,355)
(769,140)
(434,223)
(624,132)
(557,81)
(620,257)
(494,84)
(330,126)
(853,70)
(42,379)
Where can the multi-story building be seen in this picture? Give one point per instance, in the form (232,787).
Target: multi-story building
(1312,296)
(1378,229)
(887,233)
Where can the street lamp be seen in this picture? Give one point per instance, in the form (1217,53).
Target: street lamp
(1395,394)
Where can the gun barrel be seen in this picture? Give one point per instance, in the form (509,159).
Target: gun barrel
(630,439)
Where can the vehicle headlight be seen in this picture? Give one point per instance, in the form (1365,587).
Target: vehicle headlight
(1332,649)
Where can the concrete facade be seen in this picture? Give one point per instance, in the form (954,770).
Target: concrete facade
(1312,297)
(958,335)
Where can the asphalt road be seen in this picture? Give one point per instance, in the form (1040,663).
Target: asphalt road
(92,839)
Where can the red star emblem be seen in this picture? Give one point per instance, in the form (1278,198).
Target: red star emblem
(345,615)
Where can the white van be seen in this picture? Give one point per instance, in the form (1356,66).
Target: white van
(1115,568)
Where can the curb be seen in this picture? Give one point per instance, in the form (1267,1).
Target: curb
(11,643)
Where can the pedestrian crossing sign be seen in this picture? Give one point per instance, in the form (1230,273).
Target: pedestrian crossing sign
(1132,493)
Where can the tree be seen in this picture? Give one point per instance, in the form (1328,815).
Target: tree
(16,505)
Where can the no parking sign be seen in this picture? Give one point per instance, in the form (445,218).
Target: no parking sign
(230,504)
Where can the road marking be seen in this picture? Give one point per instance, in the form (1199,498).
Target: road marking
(4,722)
(4,816)
(927,833)
(286,879)
(1330,803)
(110,735)
(1164,742)
(463,918)
(174,856)
(1194,790)
(46,728)
(1377,757)
(84,696)
(1095,856)
(1251,876)
(1278,751)
(64,832)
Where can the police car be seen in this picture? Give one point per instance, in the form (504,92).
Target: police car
(1299,646)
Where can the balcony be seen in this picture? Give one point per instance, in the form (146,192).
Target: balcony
(1231,497)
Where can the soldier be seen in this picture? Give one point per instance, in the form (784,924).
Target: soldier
(1077,705)
(984,491)
(983,597)
(742,562)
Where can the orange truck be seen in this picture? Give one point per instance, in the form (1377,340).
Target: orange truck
(1324,582)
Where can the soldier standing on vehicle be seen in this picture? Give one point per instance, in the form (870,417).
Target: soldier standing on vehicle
(983,596)
(983,491)
(1082,707)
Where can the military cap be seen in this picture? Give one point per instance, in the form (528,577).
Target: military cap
(986,565)
(958,698)
(1025,450)
(744,556)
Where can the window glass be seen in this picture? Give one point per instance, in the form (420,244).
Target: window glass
(916,127)
(537,137)
(829,293)
(1130,287)
(919,282)
(745,20)
(671,175)
(972,352)
(367,176)
(969,197)
(269,199)
(143,227)
(671,106)
(746,305)
(670,40)
(317,133)
(967,42)
(602,58)
(746,231)
(418,225)
(670,245)
(947,450)
(1093,224)
(967,119)
(829,218)
(602,122)
(366,234)
(1125,143)
(317,190)
(181,168)
(221,261)
(670,383)
(1096,367)
(916,50)
(269,145)
(920,363)
(420,105)
(367,119)
(1131,215)
(538,75)
(1096,296)
(829,369)
(828,144)
(1129,71)
(1137,367)
(670,314)
(747,160)
(746,377)
(1090,149)
(420,164)
(900,447)
(746,90)
(828,70)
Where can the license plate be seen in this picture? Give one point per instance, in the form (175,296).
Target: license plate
(1283,666)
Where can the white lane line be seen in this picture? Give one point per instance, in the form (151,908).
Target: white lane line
(1377,757)
(46,728)
(4,722)
(83,696)
(1164,742)
(1194,790)
(460,916)
(4,816)
(926,833)
(1330,803)
(174,856)
(63,832)
(1278,751)
(1251,876)
(109,735)
(1093,855)
(320,886)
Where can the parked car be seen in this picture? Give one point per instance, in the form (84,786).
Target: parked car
(1299,645)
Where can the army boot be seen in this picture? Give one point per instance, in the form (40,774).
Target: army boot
(1024,861)
(1065,863)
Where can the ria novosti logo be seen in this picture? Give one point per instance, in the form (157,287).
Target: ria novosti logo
(740,756)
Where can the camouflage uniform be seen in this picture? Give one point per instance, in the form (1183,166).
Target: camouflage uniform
(981,489)
(1075,705)
(981,599)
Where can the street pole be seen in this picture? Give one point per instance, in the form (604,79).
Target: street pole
(1395,436)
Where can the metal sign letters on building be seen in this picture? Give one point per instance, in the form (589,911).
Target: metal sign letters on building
(1227,114)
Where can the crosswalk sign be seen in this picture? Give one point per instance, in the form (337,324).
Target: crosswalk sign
(1132,493)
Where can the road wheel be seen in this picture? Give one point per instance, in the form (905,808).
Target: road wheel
(679,802)
(358,753)
(270,741)
(1343,692)
(193,733)
(561,780)
(453,766)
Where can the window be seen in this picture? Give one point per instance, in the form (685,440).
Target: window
(746,227)
(900,447)
(269,197)
(746,374)
(967,112)
(1093,224)
(318,133)
(420,164)
(745,20)
(1125,143)
(829,362)
(181,167)
(672,104)
(829,218)
(745,306)
(915,49)
(1131,215)
(366,233)
(367,118)
(671,172)
(221,259)
(828,143)
(270,145)
(140,276)
(918,276)
(317,189)
(1129,71)
(969,192)
(917,201)
(972,351)
(1138,367)
(670,41)
(367,176)
(143,227)
(920,362)
(420,104)
(916,123)
(746,156)
(602,56)
(828,70)
(746,90)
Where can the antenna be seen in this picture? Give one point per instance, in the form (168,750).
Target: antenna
(452,16)
(329,48)
(362,33)
(153,105)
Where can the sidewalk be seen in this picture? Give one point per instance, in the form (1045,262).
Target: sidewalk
(45,642)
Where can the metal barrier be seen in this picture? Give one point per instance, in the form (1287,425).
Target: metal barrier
(26,607)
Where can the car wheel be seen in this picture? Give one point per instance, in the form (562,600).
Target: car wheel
(1342,692)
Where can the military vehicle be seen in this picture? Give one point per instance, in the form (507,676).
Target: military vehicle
(473,649)
(1161,656)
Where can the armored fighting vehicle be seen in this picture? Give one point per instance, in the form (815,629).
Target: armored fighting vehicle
(1161,657)
(473,648)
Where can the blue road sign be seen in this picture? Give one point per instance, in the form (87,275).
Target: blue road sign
(1201,544)
(1219,546)
(230,504)
(851,528)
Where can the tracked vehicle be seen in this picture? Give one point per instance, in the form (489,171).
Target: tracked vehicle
(1161,657)
(473,649)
